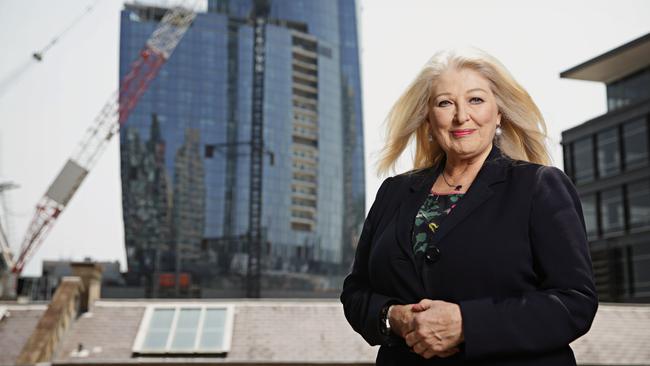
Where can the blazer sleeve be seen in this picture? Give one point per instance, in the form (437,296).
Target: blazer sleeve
(361,304)
(565,303)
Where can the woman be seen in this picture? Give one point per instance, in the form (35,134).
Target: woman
(479,255)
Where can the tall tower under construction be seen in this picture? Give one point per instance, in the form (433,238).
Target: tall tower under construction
(210,205)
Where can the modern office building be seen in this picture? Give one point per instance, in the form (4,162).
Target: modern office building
(186,151)
(608,159)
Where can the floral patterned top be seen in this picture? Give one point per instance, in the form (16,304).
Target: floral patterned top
(434,209)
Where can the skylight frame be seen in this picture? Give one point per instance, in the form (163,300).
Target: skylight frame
(138,344)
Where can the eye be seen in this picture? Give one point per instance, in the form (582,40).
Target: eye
(442,101)
(477,98)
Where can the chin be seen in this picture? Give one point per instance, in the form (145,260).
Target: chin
(467,152)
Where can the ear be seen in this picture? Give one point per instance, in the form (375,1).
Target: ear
(428,125)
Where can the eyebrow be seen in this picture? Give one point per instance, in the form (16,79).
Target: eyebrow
(471,90)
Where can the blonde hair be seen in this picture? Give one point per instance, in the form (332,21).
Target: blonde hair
(524,129)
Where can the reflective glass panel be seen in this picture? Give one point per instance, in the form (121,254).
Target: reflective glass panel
(641,269)
(611,208)
(213,328)
(159,327)
(186,329)
(638,203)
(568,161)
(583,160)
(609,159)
(590,214)
(635,143)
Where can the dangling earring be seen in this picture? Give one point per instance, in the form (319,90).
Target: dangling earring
(498,131)
(430,138)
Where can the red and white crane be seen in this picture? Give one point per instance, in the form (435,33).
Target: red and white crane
(113,115)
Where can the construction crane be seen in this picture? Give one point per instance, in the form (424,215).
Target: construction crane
(6,256)
(259,17)
(37,56)
(157,50)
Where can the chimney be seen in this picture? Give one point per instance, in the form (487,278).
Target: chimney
(74,296)
(91,277)
(53,323)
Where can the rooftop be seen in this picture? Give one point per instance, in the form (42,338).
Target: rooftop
(285,332)
(263,332)
(16,326)
(615,64)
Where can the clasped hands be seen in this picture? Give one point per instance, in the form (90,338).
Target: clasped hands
(430,327)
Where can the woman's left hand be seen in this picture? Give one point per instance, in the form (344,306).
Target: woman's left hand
(437,328)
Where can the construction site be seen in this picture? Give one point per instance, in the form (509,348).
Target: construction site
(220,196)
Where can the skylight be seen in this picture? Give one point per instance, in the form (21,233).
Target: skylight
(185,329)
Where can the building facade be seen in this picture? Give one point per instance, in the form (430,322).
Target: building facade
(186,151)
(608,160)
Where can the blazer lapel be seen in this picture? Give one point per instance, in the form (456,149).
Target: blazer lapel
(410,205)
(492,171)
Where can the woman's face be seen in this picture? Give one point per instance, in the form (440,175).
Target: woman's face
(463,113)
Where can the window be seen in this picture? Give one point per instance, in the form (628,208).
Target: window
(609,160)
(133,173)
(611,208)
(300,226)
(635,143)
(568,161)
(325,51)
(187,328)
(638,203)
(583,160)
(641,269)
(590,214)
(209,151)
(630,90)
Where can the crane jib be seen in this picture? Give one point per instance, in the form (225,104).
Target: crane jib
(158,48)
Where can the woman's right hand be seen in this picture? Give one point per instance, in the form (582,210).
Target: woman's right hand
(401,319)
(402,322)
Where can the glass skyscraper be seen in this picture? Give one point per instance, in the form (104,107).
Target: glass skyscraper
(186,152)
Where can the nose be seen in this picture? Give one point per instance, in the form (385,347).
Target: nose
(461,113)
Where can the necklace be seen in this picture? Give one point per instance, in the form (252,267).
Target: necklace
(455,186)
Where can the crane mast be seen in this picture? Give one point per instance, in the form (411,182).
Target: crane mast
(157,50)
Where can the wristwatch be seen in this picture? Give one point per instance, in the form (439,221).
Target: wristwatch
(384,325)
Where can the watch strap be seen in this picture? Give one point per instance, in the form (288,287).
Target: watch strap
(384,325)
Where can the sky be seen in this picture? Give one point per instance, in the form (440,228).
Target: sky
(45,107)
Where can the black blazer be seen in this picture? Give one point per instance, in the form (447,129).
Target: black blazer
(513,254)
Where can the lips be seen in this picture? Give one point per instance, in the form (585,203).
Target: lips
(461,133)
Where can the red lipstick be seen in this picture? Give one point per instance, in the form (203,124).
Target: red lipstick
(461,133)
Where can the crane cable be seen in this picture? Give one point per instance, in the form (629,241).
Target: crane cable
(38,55)
(23,67)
